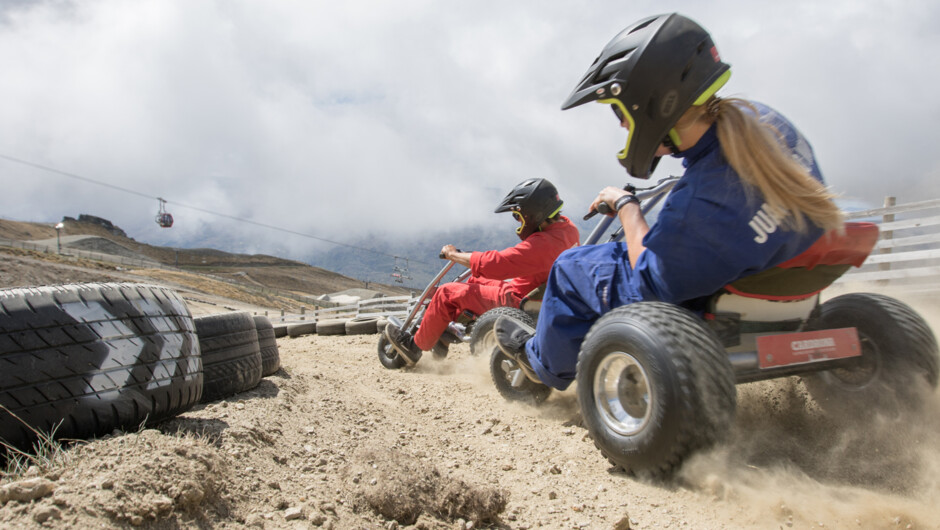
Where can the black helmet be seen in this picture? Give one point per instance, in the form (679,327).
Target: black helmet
(652,72)
(532,201)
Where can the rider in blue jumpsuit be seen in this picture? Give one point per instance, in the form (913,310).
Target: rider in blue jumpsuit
(709,233)
(718,225)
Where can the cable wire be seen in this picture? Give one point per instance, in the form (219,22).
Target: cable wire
(198,209)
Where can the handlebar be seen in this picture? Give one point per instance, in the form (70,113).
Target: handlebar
(649,197)
(604,208)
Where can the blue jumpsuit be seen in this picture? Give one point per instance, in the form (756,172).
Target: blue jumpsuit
(712,230)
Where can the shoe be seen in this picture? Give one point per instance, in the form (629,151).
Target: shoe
(511,337)
(402,341)
(450,336)
(439,350)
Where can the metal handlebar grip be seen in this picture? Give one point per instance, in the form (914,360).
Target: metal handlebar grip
(604,208)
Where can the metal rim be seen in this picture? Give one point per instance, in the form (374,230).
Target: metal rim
(622,393)
(386,347)
(488,342)
(864,372)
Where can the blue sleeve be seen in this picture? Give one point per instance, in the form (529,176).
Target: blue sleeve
(696,247)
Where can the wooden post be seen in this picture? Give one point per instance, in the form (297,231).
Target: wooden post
(887,234)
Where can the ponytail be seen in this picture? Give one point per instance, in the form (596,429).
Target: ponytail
(759,155)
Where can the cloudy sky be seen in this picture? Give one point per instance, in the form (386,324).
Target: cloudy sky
(340,119)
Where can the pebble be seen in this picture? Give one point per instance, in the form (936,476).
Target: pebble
(26,490)
(623,523)
(254,520)
(293,513)
(43,513)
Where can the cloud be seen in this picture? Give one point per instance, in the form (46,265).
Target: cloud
(345,119)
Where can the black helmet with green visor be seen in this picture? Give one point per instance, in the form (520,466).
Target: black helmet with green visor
(531,202)
(650,74)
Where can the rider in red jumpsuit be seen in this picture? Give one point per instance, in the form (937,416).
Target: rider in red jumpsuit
(544,232)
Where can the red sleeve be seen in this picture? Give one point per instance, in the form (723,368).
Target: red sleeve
(524,259)
(532,257)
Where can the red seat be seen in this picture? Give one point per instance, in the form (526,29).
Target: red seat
(848,247)
(813,270)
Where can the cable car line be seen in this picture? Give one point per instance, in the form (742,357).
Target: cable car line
(198,209)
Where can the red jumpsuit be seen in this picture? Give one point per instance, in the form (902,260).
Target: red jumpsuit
(527,264)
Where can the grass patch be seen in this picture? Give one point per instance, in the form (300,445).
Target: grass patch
(45,454)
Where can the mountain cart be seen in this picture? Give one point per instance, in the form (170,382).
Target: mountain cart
(656,382)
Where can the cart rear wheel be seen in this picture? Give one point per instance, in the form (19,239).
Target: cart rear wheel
(899,362)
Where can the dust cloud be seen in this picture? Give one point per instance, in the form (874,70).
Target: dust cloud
(786,458)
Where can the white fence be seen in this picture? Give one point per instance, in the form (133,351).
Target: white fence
(907,255)
(379,307)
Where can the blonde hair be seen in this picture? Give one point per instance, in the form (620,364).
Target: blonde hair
(757,152)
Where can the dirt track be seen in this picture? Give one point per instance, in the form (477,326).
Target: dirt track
(335,440)
(333,437)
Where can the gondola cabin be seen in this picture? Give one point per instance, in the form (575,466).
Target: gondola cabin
(163,218)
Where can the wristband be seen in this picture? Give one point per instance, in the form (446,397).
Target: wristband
(622,201)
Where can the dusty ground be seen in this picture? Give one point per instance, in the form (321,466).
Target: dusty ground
(335,440)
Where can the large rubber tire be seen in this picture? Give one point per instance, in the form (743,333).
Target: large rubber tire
(388,356)
(304,328)
(654,386)
(362,325)
(482,340)
(899,363)
(95,357)
(231,355)
(503,369)
(267,343)
(331,326)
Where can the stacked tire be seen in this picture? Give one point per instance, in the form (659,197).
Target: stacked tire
(267,343)
(231,354)
(82,360)
(238,350)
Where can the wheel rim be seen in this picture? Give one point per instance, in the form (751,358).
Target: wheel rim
(622,393)
(386,348)
(509,368)
(488,342)
(865,370)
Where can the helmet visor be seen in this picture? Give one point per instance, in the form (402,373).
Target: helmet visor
(518,217)
(624,116)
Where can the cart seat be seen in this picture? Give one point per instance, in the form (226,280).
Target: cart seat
(798,281)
